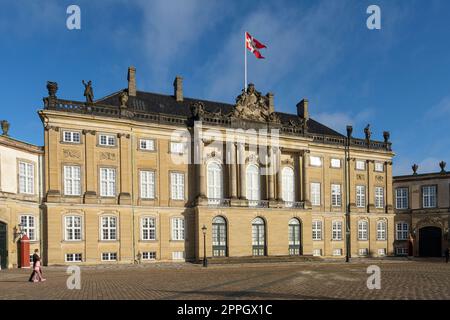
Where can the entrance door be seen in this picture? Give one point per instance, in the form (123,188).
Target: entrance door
(258,237)
(294,237)
(3,251)
(219,237)
(430,242)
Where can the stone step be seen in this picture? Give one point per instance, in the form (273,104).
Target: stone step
(262,259)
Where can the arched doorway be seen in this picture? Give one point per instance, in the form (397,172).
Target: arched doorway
(3,242)
(294,237)
(258,237)
(430,242)
(219,235)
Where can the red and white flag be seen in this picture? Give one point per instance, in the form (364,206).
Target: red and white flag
(253,45)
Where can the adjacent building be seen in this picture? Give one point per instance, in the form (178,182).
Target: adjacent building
(422,206)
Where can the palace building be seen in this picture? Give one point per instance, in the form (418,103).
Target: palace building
(422,206)
(137,176)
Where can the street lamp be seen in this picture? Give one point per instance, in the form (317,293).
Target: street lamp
(20,232)
(347,204)
(205,261)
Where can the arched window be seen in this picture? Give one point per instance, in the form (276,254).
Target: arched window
(215,188)
(258,237)
(253,190)
(363,227)
(219,235)
(287,175)
(294,237)
(381,230)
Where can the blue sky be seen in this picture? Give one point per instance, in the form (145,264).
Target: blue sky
(396,78)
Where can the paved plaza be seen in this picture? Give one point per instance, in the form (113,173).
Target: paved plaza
(400,279)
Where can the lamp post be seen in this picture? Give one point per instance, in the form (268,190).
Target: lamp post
(205,261)
(347,197)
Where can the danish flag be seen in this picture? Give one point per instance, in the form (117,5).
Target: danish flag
(253,45)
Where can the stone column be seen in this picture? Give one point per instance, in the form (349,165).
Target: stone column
(242,175)
(279,177)
(53,168)
(388,193)
(124,169)
(305,179)
(271,172)
(90,194)
(233,166)
(300,177)
(202,169)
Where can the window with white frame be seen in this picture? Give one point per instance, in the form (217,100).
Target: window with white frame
(402,229)
(178,255)
(429,196)
(360,164)
(73,228)
(26,177)
(336,230)
(382,252)
(214,182)
(379,166)
(315,194)
(177,147)
(71,136)
(147,144)
(315,161)
(363,252)
(109,256)
(381,230)
(107,182)
(336,196)
(108,140)
(360,196)
(177,185)
(288,184)
(29,226)
(149,255)
(147,178)
(72,180)
(335,163)
(253,184)
(148,228)
(177,229)
(73,257)
(379,197)
(317,252)
(363,230)
(109,228)
(317,230)
(401,198)
(337,252)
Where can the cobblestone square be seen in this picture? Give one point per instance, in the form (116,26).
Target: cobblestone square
(418,279)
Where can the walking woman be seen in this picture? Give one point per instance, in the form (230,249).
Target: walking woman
(36,275)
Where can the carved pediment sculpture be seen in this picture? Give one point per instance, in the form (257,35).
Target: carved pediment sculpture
(197,110)
(251,105)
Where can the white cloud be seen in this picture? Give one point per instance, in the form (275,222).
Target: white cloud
(442,108)
(339,120)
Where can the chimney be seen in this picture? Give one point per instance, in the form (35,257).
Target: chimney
(132,81)
(271,103)
(302,109)
(178,88)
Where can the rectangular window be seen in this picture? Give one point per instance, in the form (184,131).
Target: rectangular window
(73,228)
(178,255)
(363,252)
(315,161)
(147,144)
(360,165)
(109,228)
(401,198)
(107,182)
(148,228)
(337,252)
(335,163)
(382,252)
(107,140)
(109,256)
(317,230)
(71,136)
(336,197)
(402,231)
(72,181)
(379,166)
(26,178)
(177,186)
(337,230)
(360,196)
(363,231)
(177,229)
(147,184)
(73,257)
(401,251)
(429,196)
(315,194)
(29,226)
(381,230)
(379,197)
(317,252)
(177,147)
(149,255)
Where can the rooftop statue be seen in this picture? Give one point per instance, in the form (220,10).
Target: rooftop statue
(88,91)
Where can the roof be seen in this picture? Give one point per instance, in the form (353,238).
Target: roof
(167,104)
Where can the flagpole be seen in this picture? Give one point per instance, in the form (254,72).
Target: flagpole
(245,61)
